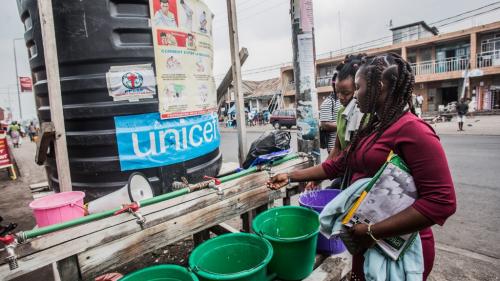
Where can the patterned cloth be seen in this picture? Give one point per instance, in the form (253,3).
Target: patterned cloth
(328,113)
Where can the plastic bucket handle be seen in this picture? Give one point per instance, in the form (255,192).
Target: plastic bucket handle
(270,277)
(303,237)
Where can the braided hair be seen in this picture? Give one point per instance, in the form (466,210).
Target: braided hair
(397,73)
(347,68)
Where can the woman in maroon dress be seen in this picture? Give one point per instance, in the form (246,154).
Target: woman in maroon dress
(384,86)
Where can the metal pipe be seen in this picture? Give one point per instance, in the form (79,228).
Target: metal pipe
(93,217)
(23,236)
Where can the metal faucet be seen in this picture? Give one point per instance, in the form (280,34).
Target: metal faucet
(10,243)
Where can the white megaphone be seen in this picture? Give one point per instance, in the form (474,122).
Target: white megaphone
(137,189)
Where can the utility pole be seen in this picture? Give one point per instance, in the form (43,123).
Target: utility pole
(54,87)
(340,32)
(304,65)
(17,80)
(237,83)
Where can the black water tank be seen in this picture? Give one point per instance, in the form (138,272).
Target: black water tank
(92,36)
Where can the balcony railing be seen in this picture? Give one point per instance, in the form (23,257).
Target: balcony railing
(323,81)
(440,66)
(488,59)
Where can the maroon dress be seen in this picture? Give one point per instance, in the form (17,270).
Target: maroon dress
(416,142)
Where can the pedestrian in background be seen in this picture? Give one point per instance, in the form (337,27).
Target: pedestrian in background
(328,118)
(349,115)
(32,131)
(472,107)
(419,101)
(15,133)
(462,109)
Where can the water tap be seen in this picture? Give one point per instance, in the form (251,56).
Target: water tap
(141,220)
(10,247)
(133,208)
(269,170)
(214,185)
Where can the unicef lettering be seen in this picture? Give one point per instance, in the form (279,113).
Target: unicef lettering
(174,140)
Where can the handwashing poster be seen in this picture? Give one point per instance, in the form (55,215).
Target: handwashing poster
(182,39)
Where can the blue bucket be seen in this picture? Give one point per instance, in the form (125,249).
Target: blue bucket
(317,200)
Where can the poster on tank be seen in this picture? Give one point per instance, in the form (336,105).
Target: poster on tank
(147,141)
(183,48)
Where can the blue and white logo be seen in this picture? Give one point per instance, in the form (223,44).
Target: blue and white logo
(146,141)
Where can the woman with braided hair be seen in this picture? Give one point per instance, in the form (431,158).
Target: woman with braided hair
(384,86)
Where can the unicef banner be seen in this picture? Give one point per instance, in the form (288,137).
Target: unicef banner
(146,141)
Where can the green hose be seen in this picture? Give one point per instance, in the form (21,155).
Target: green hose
(93,217)
(146,202)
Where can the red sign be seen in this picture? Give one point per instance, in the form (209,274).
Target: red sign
(26,85)
(4,152)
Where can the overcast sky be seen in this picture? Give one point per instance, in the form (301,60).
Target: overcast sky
(264,28)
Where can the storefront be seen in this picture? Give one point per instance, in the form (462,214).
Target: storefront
(486,90)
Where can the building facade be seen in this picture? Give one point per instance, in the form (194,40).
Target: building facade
(258,96)
(464,63)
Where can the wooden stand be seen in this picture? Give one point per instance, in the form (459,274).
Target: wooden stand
(86,251)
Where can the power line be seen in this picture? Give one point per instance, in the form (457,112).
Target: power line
(241,19)
(391,37)
(467,12)
(364,44)
(240,11)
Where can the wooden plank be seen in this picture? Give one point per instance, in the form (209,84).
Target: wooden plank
(237,85)
(55,97)
(107,257)
(201,237)
(223,228)
(247,219)
(60,245)
(228,79)
(230,189)
(68,269)
(46,136)
(39,185)
(333,268)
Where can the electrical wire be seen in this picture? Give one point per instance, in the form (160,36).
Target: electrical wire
(365,46)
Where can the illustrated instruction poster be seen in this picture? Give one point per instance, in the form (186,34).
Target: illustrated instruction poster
(183,47)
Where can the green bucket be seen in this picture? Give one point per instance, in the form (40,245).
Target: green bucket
(163,272)
(235,256)
(293,233)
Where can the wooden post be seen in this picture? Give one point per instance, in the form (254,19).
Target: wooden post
(54,87)
(236,68)
(222,90)
(68,269)
(304,65)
